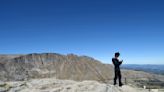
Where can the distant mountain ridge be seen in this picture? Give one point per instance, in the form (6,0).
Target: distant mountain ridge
(71,66)
(151,68)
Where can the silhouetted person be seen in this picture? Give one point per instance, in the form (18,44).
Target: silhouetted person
(117,71)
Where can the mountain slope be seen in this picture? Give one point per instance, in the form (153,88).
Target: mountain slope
(23,67)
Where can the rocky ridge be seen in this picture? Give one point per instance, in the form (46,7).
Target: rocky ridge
(72,67)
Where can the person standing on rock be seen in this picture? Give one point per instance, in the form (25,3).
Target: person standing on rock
(117,71)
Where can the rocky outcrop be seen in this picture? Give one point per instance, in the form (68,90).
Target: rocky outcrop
(55,85)
(4,87)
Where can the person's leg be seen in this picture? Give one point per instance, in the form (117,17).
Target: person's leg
(115,77)
(119,76)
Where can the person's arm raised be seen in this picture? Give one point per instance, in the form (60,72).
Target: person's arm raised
(120,62)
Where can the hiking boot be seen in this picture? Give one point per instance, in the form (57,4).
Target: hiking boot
(121,84)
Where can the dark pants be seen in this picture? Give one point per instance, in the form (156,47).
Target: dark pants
(117,75)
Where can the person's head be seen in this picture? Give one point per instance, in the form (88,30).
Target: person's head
(117,54)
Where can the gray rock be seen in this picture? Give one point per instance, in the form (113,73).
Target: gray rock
(2,84)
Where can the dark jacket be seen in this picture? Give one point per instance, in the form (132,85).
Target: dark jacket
(116,63)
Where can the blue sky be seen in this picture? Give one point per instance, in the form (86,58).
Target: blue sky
(97,28)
